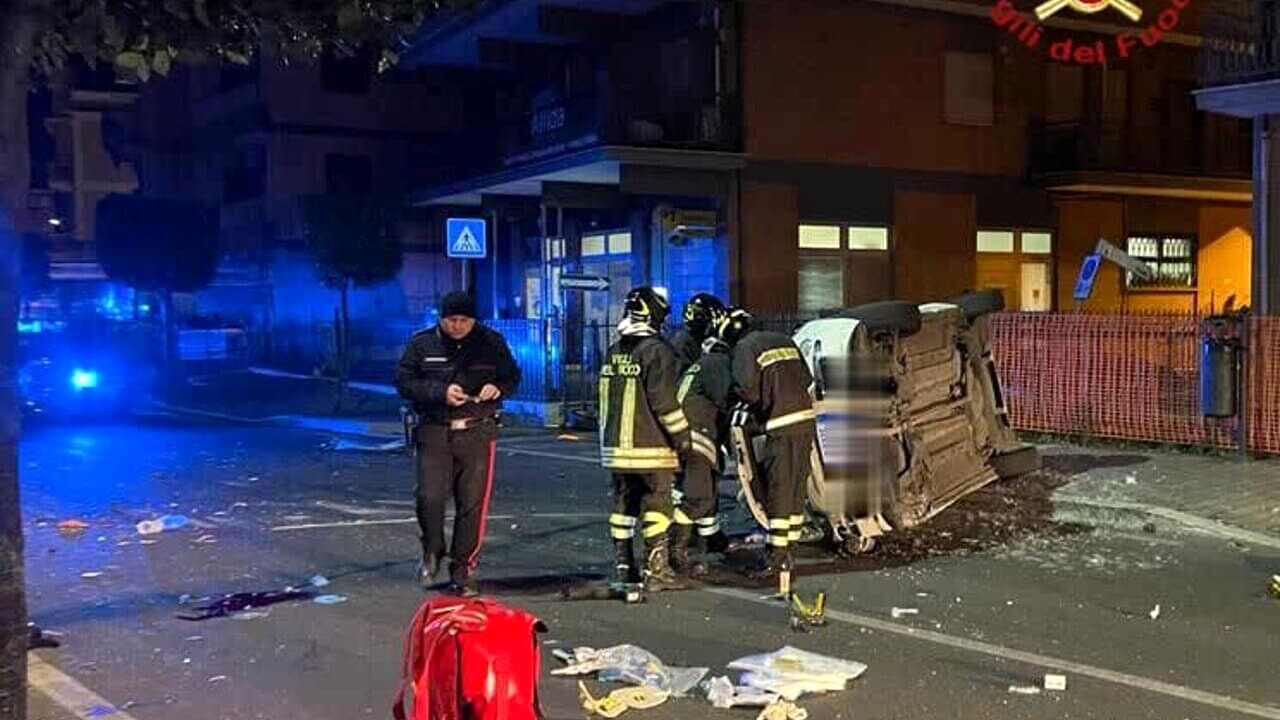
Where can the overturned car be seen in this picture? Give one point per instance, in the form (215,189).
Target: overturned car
(911,417)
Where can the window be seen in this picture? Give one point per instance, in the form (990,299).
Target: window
(1027,242)
(1172,257)
(969,89)
(819,237)
(615,243)
(620,243)
(840,263)
(593,245)
(348,174)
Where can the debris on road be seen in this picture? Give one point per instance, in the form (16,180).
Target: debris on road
(162,524)
(1024,690)
(567,436)
(783,710)
(1055,682)
(92,575)
(319,581)
(344,445)
(1275,586)
(72,527)
(898,612)
(39,638)
(631,665)
(804,615)
(724,694)
(330,599)
(217,678)
(791,672)
(239,602)
(621,700)
(1155,612)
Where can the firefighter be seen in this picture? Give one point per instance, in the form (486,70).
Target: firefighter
(643,437)
(704,395)
(700,315)
(771,384)
(455,375)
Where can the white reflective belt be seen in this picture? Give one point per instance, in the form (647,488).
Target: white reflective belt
(798,416)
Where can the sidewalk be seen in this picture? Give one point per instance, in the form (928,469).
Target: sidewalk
(1210,494)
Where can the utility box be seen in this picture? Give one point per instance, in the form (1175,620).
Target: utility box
(1220,347)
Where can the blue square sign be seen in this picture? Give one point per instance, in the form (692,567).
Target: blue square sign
(465,238)
(1088,272)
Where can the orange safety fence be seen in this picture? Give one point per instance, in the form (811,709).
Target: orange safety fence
(1134,377)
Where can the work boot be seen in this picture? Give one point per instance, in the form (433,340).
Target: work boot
(428,568)
(658,575)
(772,562)
(625,571)
(680,561)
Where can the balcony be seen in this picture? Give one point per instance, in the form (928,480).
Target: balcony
(1065,148)
(1241,42)
(594,120)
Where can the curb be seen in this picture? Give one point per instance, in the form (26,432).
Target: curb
(1126,515)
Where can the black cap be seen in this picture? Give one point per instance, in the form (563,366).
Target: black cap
(457,303)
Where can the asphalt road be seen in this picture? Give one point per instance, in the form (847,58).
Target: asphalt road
(1003,594)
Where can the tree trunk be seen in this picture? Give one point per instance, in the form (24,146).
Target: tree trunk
(17,36)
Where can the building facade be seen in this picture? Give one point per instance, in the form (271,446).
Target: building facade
(813,154)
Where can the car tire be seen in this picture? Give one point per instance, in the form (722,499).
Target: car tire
(976,304)
(1016,463)
(894,316)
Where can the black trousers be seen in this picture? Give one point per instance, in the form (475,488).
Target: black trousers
(784,467)
(698,495)
(457,464)
(644,499)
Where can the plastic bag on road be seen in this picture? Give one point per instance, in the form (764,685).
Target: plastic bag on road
(791,672)
(634,666)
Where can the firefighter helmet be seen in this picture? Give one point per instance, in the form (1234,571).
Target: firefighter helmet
(735,323)
(644,306)
(701,313)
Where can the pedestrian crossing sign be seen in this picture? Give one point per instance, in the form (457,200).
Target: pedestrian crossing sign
(465,238)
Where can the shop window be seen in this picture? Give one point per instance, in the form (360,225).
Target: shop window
(1172,257)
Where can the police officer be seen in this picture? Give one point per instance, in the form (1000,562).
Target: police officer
(704,394)
(455,375)
(643,436)
(700,314)
(772,381)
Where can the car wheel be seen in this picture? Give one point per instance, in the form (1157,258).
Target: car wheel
(976,304)
(895,316)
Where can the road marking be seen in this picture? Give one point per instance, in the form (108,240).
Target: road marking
(1135,681)
(351,509)
(63,690)
(558,456)
(405,521)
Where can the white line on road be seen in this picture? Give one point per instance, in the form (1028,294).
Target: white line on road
(63,690)
(1135,681)
(351,509)
(557,456)
(405,521)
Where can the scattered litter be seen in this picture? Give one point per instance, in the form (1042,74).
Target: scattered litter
(898,612)
(922,594)
(621,700)
(1055,682)
(124,543)
(515,526)
(1130,479)
(195,638)
(100,711)
(319,581)
(1024,689)
(724,694)
(186,661)
(1275,586)
(239,505)
(91,575)
(783,710)
(568,436)
(254,479)
(72,526)
(239,602)
(631,665)
(217,678)
(250,616)
(148,541)
(330,599)
(39,638)
(1155,612)
(206,540)
(163,524)
(791,672)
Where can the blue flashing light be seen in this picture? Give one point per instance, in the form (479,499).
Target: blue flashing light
(81,379)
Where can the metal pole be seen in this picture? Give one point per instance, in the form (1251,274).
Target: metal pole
(493,243)
(1242,370)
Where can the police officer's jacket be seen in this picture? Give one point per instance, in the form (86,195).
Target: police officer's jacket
(688,349)
(704,395)
(432,361)
(771,377)
(641,423)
